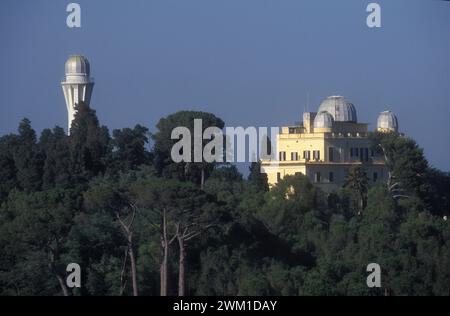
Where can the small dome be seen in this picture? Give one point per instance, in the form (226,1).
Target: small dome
(323,120)
(387,121)
(341,109)
(77,65)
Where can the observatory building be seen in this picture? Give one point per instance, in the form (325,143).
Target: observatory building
(326,144)
(77,85)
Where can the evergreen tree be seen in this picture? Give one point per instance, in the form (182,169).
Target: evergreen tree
(196,172)
(129,152)
(257,178)
(135,228)
(88,145)
(56,170)
(27,158)
(34,243)
(8,171)
(357,181)
(405,162)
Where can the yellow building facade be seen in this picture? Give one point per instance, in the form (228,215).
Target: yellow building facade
(326,144)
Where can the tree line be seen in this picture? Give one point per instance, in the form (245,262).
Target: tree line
(139,224)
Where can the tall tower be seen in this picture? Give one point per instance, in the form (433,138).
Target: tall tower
(77,85)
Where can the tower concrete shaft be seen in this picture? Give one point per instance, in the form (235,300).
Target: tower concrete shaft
(77,85)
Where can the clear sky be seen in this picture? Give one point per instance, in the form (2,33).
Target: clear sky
(250,62)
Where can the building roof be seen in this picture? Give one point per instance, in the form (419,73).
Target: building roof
(387,121)
(340,109)
(323,120)
(77,65)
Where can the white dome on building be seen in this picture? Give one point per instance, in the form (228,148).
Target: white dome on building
(323,120)
(340,109)
(387,121)
(77,65)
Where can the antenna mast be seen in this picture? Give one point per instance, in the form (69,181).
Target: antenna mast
(307,102)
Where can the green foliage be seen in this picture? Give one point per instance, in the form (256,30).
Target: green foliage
(27,158)
(409,172)
(129,150)
(190,171)
(34,241)
(405,161)
(357,182)
(62,196)
(257,178)
(8,170)
(88,145)
(56,169)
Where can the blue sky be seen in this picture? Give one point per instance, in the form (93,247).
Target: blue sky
(250,62)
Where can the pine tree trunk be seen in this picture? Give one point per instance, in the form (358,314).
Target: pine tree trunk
(51,265)
(133,267)
(165,252)
(181,267)
(162,282)
(361,205)
(63,285)
(164,270)
(127,229)
(202,183)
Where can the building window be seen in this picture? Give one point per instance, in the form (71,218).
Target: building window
(375,176)
(366,154)
(372,153)
(330,154)
(331,177)
(316,154)
(294,156)
(282,156)
(317,177)
(278,177)
(306,155)
(355,152)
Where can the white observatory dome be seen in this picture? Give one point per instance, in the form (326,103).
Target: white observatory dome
(340,109)
(323,120)
(77,65)
(387,121)
(77,85)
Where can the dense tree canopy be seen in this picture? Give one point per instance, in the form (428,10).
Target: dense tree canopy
(194,171)
(139,224)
